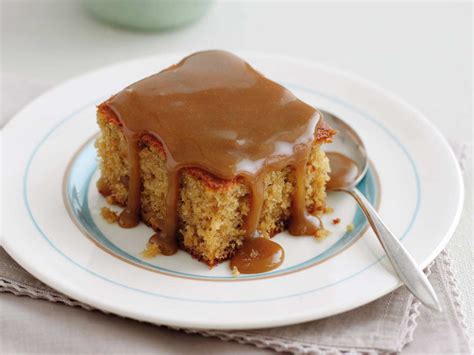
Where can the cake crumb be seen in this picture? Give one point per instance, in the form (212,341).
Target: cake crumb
(328,210)
(350,227)
(235,272)
(322,233)
(336,221)
(254,254)
(109,215)
(151,250)
(110,200)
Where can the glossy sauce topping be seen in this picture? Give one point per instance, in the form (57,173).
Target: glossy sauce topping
(258,255)
(344,171)
(215,112)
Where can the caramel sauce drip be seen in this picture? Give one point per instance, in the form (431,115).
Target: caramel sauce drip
(344,171)
(130,216)
(299,222)
(258,255)
(166,245)
(213,111)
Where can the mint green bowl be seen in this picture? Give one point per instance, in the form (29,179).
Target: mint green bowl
(148,15)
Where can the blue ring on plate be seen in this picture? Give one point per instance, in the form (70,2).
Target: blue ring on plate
(184,299)
(78,183)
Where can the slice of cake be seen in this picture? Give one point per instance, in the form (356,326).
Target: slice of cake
(212,155)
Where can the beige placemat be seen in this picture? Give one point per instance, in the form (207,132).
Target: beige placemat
(385,325)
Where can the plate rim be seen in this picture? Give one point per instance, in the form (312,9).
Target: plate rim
(300,318)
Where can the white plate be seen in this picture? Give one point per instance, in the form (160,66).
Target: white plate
(51,209)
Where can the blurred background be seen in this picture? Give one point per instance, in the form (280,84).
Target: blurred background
(419,50)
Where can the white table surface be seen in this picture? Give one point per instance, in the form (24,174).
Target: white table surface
(420,51)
